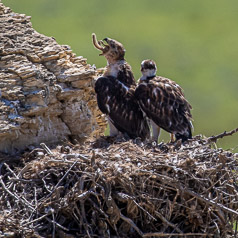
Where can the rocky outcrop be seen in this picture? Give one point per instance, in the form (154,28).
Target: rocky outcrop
(47,92)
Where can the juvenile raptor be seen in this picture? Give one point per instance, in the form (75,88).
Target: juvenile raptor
(163,102)
(115,92)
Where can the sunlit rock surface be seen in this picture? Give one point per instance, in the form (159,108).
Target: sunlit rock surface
(47,92)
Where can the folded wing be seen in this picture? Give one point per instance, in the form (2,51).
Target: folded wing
(163,101)
(119,103)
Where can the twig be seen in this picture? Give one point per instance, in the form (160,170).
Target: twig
(75,162)
(36,220)
(167,222)
(215,138)
(25,202)
(1,164)
(29,165)
(53,216)
(46,148)
(171,182)
(57,224)
(11,184)
(86,194)
(160,234)
(130,222)
(85,222)
(124,197)
(7,166)
(82,208)
(75,156)
(98,208)
(211,202)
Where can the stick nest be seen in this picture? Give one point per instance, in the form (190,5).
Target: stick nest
(120,188)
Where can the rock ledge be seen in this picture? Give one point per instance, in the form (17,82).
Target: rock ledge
(47,92)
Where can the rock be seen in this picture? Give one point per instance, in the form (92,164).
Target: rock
(47,92)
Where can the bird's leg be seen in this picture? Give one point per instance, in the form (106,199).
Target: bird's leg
(155,131)
(112,129)
(172,137)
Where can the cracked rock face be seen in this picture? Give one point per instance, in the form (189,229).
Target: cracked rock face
(47,92)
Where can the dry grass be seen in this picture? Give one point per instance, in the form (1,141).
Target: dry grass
(118,188)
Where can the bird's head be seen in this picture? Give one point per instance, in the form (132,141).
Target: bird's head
(148,68)
(111,49)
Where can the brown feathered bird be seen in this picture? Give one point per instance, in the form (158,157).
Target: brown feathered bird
(115,92)
(163,102)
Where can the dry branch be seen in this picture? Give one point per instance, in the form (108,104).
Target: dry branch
(229,133)
(157,234)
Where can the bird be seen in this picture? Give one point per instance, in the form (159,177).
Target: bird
(115,93)
(164,103)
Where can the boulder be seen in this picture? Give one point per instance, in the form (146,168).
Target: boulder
(47,92)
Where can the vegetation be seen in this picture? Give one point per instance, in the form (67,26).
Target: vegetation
(193,43)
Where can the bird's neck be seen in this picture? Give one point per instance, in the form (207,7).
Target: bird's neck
(115,62)
(112,59)
(113,68)
(148,74)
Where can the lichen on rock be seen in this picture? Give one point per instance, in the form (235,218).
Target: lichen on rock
(47,91)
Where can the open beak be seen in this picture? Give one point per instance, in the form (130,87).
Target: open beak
(100,45)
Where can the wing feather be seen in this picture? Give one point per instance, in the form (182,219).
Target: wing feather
(163,101)
(119,103)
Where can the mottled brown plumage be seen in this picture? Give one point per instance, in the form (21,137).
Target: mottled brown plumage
(163,101)
(115,92)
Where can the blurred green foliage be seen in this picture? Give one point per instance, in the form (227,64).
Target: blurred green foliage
(193,42)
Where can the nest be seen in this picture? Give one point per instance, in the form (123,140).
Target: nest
(121,188)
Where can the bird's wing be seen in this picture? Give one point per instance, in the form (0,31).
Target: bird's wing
(118,102)
(163,101)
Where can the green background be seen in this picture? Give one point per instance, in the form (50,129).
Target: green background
(193,42)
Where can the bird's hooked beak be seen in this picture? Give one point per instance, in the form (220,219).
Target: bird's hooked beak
(101,45)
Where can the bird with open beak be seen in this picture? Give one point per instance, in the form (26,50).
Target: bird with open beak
(115,92)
